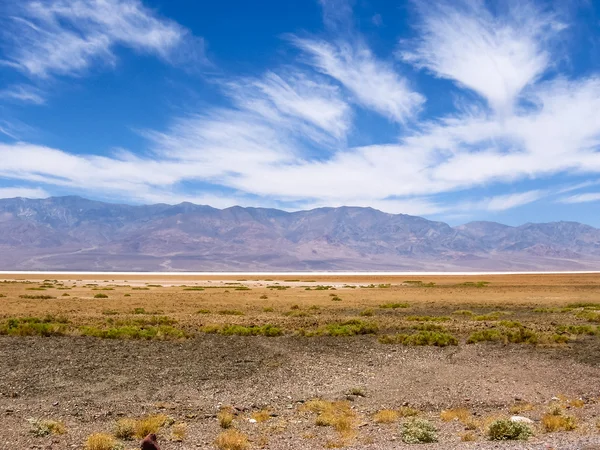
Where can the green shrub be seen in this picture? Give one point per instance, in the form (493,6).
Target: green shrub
(394,305)
(490,335)
(348,328)
(100,296)
(418,431)
(241,330)
(434,338)
(505,430)
(163,332)
(578,329)
(366,313)
(37,297)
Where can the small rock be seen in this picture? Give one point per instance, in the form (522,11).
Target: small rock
(520,419)
(252,420)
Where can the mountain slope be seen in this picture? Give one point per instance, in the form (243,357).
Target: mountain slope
(72,233)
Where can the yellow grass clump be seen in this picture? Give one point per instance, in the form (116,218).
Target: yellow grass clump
(386,416)
(232,440)
(552,422)
(179,432)
(460,414)
(125,429)
(101,441)
(225,418)
(262,415)
(149,424)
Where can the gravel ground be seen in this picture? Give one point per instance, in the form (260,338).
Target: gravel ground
(89,383)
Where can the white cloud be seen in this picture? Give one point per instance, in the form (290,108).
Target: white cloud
(66,37)
(23,93)
(374,83)
(497,56)
(581,198)
(282,139)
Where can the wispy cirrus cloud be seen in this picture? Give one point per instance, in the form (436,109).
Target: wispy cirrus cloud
(67,37)
(373,83)
(282,138)
(23,93)
(495,55)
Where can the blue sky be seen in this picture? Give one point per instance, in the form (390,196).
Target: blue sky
(452,110)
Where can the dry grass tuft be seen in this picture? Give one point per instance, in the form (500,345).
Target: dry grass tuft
(577,403)
(101,441)
(42,428)
(232,440)
(386,416)
(469,436)
(179,432)
(125,429)
(338,415)
(149,424)
(262,415)
(552,422)
(521,407)
(225,418)
(460,414)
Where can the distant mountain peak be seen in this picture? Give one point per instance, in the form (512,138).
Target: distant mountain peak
(74,233)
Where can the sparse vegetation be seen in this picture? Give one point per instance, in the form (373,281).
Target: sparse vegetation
(558,422)
(506,430)
(40,428)
(225,417)
(419,431)
(100,296)
(125,429)
(231,312)
(232,440)
(178,432)
(37,297)
(241,330)
(102,441)
(149,424)
(386,416)
(394,305)
(434,338)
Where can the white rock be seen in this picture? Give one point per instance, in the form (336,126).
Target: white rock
(252,420)
(520,419)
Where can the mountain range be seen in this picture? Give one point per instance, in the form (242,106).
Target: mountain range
(76,234)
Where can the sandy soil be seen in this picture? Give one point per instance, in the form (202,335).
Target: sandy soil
(89,383)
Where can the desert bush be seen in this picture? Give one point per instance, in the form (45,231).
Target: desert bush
(491,316)
(463,312)
(418,431)
(491,335)
(225,418)
(241,330)
(268,309)
(521,407)
(386,416)
(578,329)
(469,436)
(149,424)
(557,422)
(261,416)
(461,414)
(243,288)
(162,332)
(348,328)
(102,441)
(366,313)
(178,432)
(394,305)
(100,296)
(506,430)
(232,440)
(193,288)
(338,415)
(37,297)
(335,298)
(203,311)
(32,326)
(42,428)
(435,338)
(263,297)
(125,429)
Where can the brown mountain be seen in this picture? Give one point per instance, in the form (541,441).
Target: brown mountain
(72,233)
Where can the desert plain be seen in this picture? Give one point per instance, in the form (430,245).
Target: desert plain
(310,362)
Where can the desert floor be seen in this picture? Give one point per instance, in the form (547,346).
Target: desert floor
(303,363)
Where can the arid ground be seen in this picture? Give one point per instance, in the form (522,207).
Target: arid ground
(329,362)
